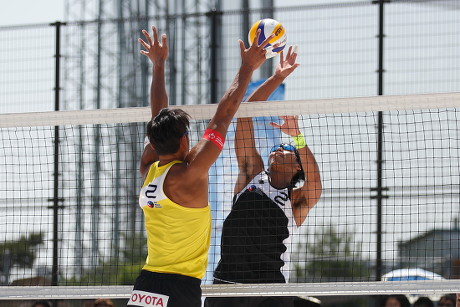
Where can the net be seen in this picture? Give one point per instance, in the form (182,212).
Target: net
(69,188)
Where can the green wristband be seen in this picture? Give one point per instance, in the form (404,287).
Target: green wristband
(299,141)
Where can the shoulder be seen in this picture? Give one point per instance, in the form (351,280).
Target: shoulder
(184,175)
(244,179)
(184,188)
(149,157)
(186,171)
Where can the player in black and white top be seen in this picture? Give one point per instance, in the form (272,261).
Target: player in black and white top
(267,206)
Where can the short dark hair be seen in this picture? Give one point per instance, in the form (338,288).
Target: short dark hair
(402,299)
(165,130)
(423,302)
(41,303)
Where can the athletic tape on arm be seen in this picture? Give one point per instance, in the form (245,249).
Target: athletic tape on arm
(299,141)
(215,137)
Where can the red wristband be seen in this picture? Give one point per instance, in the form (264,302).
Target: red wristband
(215,137)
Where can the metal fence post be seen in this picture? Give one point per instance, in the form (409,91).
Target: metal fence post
(56,200)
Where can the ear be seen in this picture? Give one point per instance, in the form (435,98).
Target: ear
(184,140)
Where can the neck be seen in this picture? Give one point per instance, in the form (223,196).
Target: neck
(167,158)
(278,180)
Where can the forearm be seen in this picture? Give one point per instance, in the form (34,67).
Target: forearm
(266,89)
(308,162)
(249,160)
(244,140)
(244,133)
(232,98)
(312,175)
(158,95)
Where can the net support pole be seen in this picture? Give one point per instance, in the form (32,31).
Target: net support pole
(214,17)
(95,190)
(378,264)
(120,71)
(380,124)
(171,29)
(245,21)
(56,200)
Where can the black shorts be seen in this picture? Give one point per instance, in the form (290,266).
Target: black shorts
(275,301)
(166,290)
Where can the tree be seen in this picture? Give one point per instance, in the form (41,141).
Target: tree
(332,257)
(120,270)
(21,252)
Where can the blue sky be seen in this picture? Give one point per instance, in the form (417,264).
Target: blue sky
(21,12)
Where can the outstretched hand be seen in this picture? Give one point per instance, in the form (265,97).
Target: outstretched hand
(157,52)
(290,126)
(287,65)
(254,56)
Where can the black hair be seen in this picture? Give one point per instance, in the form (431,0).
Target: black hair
(43,303)
(423,302)
(165,130)
(402,299)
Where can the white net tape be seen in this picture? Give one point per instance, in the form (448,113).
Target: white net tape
(270,108)
(425,288)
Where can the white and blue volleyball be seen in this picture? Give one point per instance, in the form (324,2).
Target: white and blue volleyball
(267,27)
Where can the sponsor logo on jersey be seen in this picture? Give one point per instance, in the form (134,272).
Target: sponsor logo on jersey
(152,204)
(147,299)
(150,193)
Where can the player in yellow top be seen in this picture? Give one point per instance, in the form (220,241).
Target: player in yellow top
(174,196)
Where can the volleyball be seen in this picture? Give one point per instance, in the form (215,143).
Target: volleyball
(267,27)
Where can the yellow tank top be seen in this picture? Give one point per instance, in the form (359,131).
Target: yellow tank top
(178,237)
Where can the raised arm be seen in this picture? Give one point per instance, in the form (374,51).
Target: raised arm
(305,197)
(250,162)
(205,153)
(157,53)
